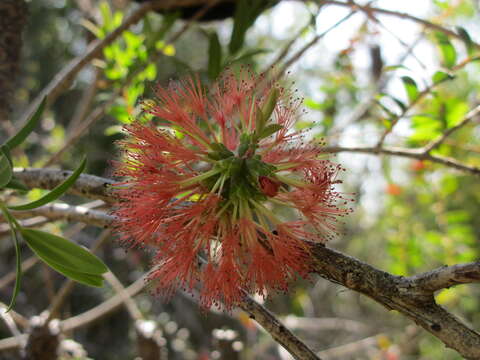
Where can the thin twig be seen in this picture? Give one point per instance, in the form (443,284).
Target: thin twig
(404,113)
(418,154)
(307,46)
(104,309)
(466,120)
(369,9)
(130,304)
(350,348)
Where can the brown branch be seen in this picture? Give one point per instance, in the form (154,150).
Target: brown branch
(40,220)
(13,17)
(418,154)
(68,212)
(446,276)
(397,293)
(89,186)
(277,330)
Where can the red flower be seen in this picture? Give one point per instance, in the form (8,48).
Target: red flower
(209,185)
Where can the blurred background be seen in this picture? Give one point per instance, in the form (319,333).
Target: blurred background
(363,75)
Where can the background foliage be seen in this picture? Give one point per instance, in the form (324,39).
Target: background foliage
(371,76)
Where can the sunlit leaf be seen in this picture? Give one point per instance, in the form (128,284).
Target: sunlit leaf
(169,50)
(410,87)
(447,50)
(441,76)
(312,104)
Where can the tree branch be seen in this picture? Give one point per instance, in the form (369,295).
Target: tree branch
(397,293)
(413,297)
(68,212)
(446,276)
(419,154)
(89,186)
(277,330)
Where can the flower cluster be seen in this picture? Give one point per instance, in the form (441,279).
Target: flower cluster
(224,190)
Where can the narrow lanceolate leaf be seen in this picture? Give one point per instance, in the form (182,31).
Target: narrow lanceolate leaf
(5,169)
(28,127)
(270,130)
(18,263)
(449,55)
(466,39)
(410,87)
(214,56)
(55,193)
(17,185)
(64,252)
(83,278)
(270,104)
(246,12)
(65,256)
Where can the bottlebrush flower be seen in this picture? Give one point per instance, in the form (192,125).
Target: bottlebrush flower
(223,177)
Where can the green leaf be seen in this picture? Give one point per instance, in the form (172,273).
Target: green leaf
(248,55)
(269,130)
(62,255)
(214,56)
(246,12)
(449,55)
(400,103)
(17,185)
(410,87)
(270,104)
(466,39)
(28,127)
(441,76)
(83,278)
(6,171)
(18,262)
(55,193)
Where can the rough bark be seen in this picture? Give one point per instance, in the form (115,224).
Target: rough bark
(13,17)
